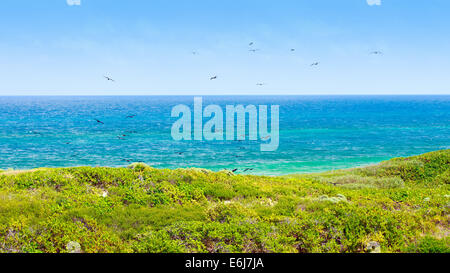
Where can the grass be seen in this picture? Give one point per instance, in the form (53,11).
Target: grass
(399,205)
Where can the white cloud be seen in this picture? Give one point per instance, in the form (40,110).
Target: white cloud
(374,2)
(73,2)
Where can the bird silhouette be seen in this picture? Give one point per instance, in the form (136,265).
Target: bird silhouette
(109,79)
(213,78)
(315,64)
(253,50)
(99,121)
(131,116)
(235,170)
(250,44)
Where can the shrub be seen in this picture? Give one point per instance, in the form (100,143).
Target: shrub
(429,244)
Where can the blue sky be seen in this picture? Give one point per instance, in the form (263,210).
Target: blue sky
(48,47)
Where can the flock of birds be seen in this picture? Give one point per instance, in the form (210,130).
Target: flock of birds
(254,50)
(212,78)
(122,137)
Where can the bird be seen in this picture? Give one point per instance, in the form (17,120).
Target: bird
(260,84)
(109,79)
(235,170)
(213,78)
(99,121)
(250,44)
(315,64)
(248,169)
(194,53)
(131,116)
(253,50)
(292,49)
(180,153)
(376,52)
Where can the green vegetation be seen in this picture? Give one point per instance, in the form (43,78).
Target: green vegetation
(400,205)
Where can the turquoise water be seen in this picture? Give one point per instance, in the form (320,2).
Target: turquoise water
(317,133)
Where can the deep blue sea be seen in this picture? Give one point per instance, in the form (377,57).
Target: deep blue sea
(317,133)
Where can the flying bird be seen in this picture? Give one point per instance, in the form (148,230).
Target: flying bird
(254,50)
(213,78)
(260,84)
(292,49)
(376,52)
(315,64)
(99,121)
(131,116)
(250,44)
(109,79)
(235,170)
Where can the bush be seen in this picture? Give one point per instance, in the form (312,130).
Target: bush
(387,207)
(429,244)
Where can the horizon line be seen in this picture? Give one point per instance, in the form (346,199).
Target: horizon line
(212,95)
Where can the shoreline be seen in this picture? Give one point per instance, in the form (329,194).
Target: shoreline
(261,173)
(10,170)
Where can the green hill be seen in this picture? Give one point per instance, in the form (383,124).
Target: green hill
(401,205)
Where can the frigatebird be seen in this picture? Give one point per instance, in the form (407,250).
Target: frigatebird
(109,79)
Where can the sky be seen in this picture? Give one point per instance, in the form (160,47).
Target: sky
(66,47)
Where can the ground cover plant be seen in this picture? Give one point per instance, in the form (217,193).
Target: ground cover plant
(401,205)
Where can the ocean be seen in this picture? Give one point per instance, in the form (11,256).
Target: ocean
(317,133)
